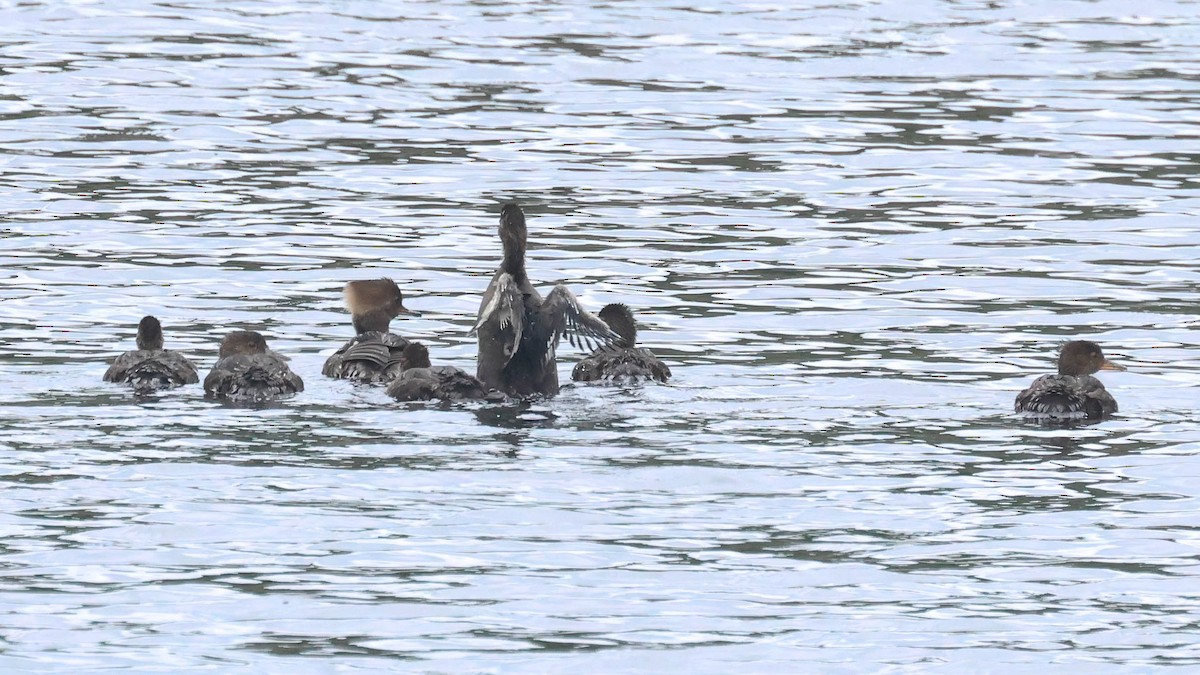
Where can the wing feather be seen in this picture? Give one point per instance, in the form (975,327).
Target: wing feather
(562,314)
(502,314)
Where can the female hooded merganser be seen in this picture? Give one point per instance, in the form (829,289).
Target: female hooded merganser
(1072,395)
(422,382)
(518,330)
(374,353)
(247,371)
(621,362)
(151,367)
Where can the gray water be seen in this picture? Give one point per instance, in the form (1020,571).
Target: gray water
(853,230)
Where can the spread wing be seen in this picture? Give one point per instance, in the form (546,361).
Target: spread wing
(561,314)
(502,315)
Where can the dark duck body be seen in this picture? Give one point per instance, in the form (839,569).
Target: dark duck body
(246,371)
(373,355)
(518,330)
(621,362)
(421,381)
(151,367)
(1071,395)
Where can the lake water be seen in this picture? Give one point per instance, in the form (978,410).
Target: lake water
(854,231)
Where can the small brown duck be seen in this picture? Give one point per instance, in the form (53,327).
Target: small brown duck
(518,330)
(151,368)
(621,362)
(373,355)
(421,381)
(1072,395)
(246,371)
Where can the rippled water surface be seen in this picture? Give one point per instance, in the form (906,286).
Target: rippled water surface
(854,231)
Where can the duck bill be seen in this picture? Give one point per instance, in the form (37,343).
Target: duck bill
(413,312)
(1109,365)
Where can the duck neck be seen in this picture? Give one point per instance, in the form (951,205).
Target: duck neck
(513,235)
(375,320)
(514,259)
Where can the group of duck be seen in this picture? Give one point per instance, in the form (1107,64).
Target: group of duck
(518,332)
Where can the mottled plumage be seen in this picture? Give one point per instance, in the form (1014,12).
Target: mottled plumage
(151,367)
(622,362)
(373,355)
(420,381)
(246,371)
(1071,395)
(518,330)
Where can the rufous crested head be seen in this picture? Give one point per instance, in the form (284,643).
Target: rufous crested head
(373,303)
(370,295)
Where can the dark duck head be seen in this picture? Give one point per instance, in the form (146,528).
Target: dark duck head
(1072,395)
(415,355)
(242,342)
(518,329)
(619,318)
(1083,357)
(374,303)
(149,335)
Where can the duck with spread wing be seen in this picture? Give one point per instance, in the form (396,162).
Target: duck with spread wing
(518,330)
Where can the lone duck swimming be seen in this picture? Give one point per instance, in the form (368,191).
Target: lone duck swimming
(151,367)
(1072,395)
(246,371)
(373,355)
(422,382)
(621,362)
(518,330)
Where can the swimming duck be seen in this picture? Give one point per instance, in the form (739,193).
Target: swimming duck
(620,362)
(422,382)
(518,330)
(373,355)
(1073,394)
(247,371)
(151,367)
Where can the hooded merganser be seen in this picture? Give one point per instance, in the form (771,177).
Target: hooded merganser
(518,330)
(373,355)
(422,382)
(621,362)
(1072,395)
(151,367)
(247,371)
